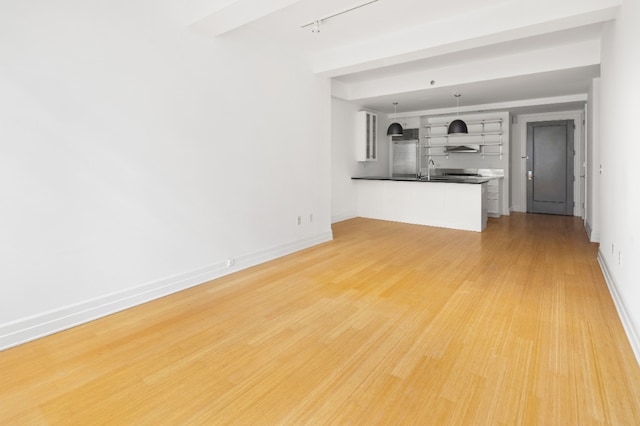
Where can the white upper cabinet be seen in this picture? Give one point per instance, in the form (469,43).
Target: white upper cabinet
(366,136)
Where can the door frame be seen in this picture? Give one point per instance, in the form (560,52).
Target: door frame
(569,127)
(520,182)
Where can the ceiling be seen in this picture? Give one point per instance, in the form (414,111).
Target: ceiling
(433,48)
(358,25)
(492,94)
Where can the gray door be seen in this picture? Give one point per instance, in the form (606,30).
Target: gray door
(550,167)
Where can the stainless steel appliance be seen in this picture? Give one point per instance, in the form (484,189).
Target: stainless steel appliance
(463,148)
(405,154)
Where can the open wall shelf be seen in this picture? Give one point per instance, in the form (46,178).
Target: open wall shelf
(486,135)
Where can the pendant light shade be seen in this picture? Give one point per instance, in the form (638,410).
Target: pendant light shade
(457,126)
(395,129)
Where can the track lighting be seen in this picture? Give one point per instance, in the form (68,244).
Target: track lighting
(315,25)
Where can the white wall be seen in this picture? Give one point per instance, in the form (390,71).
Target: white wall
(516,164)
(592,202)
(134,152)
(343,158)
(519,162)
(619,153)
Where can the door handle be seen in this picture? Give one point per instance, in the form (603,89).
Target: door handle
(529,175)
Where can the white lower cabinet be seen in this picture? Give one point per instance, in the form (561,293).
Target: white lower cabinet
(441,204)
(494,190)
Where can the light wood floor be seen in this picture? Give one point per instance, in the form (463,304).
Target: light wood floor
(387,324)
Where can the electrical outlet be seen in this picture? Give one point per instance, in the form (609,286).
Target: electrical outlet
(230,263)
(299,220)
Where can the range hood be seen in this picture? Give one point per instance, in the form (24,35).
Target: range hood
(407,135)
(463,148)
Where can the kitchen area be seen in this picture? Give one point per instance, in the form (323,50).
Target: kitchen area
(429,176)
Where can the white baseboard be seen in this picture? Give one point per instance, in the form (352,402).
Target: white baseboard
(26,329)
(594,236)
(623,312)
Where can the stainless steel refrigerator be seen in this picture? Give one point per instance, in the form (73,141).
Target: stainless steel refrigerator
(405,158)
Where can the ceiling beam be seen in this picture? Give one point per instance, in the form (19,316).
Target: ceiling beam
(555,100)
(238,14)
(568,56)
(479,28)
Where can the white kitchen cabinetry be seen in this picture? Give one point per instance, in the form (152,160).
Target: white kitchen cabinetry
(494,199)
(441,204)
(366,136)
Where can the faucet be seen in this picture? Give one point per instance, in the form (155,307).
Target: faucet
(429,168)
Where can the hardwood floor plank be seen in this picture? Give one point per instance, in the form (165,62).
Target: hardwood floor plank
(388,323)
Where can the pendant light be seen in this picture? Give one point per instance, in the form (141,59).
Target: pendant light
(457,126)
(395,129)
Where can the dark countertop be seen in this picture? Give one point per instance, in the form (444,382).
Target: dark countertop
(436,179)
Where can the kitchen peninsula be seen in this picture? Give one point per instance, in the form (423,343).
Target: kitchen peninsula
(446,202)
